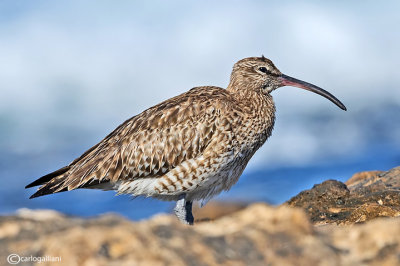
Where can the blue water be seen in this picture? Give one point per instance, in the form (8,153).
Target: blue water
(272,185)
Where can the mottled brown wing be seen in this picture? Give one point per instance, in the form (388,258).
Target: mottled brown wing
(151,143)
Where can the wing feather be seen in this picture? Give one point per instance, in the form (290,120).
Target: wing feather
(149,144)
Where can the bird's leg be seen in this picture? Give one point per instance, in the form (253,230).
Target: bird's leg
(183,210)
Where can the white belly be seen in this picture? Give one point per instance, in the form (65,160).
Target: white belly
(209,185)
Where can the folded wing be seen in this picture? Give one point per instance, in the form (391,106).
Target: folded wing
(147,145)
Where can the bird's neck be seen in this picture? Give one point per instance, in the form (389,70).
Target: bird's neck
(238,85)
(258,110)
(253,101)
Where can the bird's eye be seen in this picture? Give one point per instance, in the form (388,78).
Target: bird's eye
(263,69)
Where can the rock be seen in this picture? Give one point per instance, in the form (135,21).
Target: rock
(368,195)
(256,235)
(302,231)
(324,203)
(361,177)
(376,181)
(8,230)
(40,215)
(216,209)
(373,243)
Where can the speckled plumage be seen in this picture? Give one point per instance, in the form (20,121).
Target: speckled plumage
(195,144)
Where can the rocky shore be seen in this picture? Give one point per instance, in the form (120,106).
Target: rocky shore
(333,223)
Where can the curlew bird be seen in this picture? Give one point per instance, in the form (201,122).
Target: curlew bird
(189,147)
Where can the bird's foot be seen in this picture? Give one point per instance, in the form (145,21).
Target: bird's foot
(183,210)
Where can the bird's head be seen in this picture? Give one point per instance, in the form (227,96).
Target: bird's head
(260,74)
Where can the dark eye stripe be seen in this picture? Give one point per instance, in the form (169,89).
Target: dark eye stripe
(266,71)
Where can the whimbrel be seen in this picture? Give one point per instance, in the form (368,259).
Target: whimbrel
(189,147)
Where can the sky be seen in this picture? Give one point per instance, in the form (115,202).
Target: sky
(72,71)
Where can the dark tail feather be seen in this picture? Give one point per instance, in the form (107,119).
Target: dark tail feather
(48,177)
(50,183)
(49,189)
(55,182)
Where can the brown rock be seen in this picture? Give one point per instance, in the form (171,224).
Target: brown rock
(216,209)
(324,203)
(375,243)
(358,178)
(369,211)
(257,235)
(383,181)
(369,195)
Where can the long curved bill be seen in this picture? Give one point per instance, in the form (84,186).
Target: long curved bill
(289,81)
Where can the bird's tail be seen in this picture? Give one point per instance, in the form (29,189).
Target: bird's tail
(50,183)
